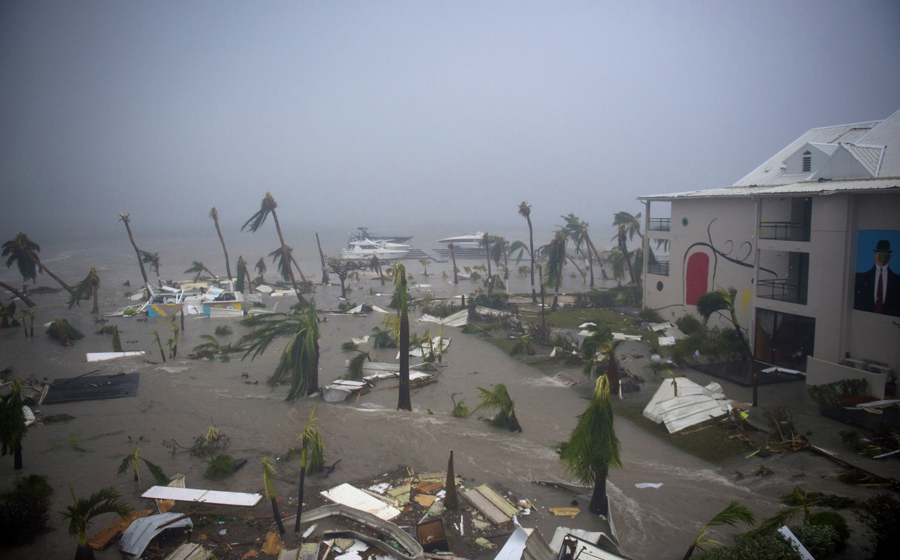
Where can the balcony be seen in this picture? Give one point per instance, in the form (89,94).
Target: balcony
(659,224)
(784,231)
(660,268)
(781,290)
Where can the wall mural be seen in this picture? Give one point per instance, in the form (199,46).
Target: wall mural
(877,285)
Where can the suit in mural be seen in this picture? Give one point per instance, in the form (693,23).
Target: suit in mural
(877,290)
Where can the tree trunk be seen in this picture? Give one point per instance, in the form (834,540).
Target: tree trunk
(612,373)
(487,253)
(404,402)
(596,254)
(314,376)
(47,270)
(277,515)
(324,268)
(137,251)
(591,265)
(84,552)
(531,247)
(598,498)
(285,254)
(451,499)
(453,257)
(224,250)
(25,299)
(96,300)
(300,494)
(17,458)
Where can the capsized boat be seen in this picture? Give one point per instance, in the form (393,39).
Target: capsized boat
(467,241)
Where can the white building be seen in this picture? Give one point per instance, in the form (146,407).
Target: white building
(797,239)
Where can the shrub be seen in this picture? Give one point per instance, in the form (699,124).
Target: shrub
(881,514)
(688,324)
(349,345)
(828,395)
(595,299)
(223,330)
(25,511)
(538,332)
(837,522)
(494,300)
(768,547)
(820,540)
(651,315)
(220,466)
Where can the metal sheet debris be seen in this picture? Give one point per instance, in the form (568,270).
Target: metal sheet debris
(93,388)
(691,405)
(114,530)
(143,530)
(103,356)
(351,496)
(202,496)
(458,319)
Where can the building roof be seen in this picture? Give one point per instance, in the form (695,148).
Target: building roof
(873,147)
(802,188)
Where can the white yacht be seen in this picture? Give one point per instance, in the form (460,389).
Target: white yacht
(467,241)
(366,249)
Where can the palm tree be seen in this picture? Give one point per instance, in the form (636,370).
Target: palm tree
(525,212)
(267,207)
(723,300)
(312,458)
(200,268)
(91,282)
(540,268)
(593,447)
(12,423)
(342,269)
(594,344)
(632,224)
(322,258)
(80,514)
(7,312)
(731,515)
(133,459)
(424,262)
(486,243)
(375,265)
(269,472)
(556,259)
(242,274)
(125,218)
(155,334)
(500,250)
(455,270)
(578,231)
(260,267)
(403,402)
(215,218)
(21,248)
(621,239)
(18,294)
(498,399)
(153,260)
(300,357)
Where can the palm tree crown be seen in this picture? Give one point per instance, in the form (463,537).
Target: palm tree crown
(19,250)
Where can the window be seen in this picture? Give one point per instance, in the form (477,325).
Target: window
(807,162)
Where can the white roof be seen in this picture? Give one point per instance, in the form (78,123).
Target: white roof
(799,188)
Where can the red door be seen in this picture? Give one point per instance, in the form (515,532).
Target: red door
(696,277)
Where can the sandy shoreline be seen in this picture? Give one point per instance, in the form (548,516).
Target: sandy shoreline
(180,399)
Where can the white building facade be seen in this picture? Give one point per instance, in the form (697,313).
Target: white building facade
(811,242)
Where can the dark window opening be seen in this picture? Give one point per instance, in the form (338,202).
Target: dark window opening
(783,339)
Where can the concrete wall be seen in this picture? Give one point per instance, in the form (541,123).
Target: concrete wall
(820,372)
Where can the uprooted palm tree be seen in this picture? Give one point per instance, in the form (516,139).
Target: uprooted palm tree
(300,358)
(267,207)
(133,459)
(593,448)
(90,285)
(312,458)
(525,212)
(12,424)
(214,216)
(497,398)
(82,511)
(21,250)
(355,366)
(731,515)
(61,330)
(724,300)
(199,268)
(125,218)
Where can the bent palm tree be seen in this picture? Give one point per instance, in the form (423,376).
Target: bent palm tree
(632,224)
(300,357)
(18,294)
(125,218)
(23,248)
(215,218)
(525,212)
(153,260)
(500,250)
(723,300)
(200,268)
(80,514)
(90,283)
(267,207)
(731,515)
(269,472)
(497,398)
(593,447)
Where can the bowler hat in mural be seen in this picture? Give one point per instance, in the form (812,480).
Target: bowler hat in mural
(883,246)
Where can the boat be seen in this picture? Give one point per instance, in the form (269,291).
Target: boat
(364,234)
(467,241)
(365,249)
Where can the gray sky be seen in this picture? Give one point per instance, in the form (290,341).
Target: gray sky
(371,111)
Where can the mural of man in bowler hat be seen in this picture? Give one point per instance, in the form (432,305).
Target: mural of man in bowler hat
(877,290)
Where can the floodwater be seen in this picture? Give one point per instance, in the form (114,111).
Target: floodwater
(180,399)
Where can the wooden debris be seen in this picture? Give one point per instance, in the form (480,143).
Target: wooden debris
(114,530)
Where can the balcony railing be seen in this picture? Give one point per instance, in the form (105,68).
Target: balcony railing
(659,224)
(781,290)
(660,268)
(784,231)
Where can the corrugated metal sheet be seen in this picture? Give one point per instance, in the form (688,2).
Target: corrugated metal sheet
(805,187)
(869,156)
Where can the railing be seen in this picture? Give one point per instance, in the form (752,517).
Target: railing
(784,231)
(781,290)
(659,224)
(660,268)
